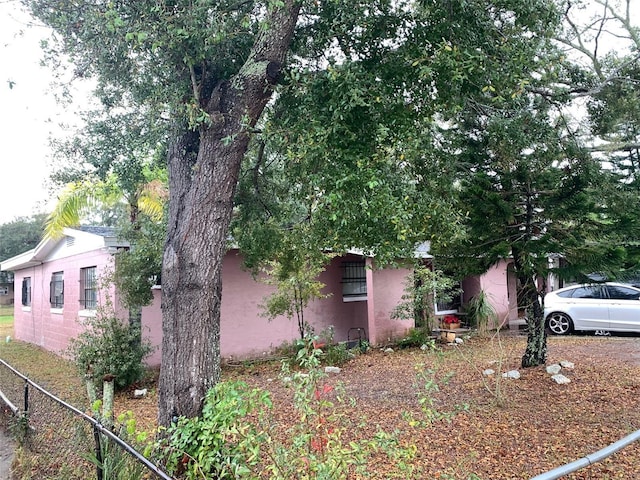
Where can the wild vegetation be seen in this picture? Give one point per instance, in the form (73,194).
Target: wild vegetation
(411,413)
(394,123)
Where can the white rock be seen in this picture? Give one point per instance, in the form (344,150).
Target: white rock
(332,369)
(488,372)
(567,364)
(458,340)
(560,379)
(553,369)
(515,374)
(8,339)
(140,393)
(388,350)
(424,347)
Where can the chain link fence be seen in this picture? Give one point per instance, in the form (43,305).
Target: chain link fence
(64,442)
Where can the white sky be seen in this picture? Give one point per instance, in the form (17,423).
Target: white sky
(29,116)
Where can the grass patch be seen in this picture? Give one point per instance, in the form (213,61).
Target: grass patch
(56,374)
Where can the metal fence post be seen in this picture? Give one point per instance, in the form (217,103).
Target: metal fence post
(26,397)
(96,437)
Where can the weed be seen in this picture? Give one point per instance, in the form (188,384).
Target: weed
(416,338)
(338,354)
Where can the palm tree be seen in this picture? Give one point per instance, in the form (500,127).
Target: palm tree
(79,198)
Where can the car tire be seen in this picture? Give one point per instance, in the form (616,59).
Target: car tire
(559,323)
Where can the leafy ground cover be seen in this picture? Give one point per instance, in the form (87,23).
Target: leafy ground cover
(451,421)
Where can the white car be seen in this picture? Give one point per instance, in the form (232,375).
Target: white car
(600,306)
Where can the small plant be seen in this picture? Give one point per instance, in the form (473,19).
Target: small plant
(416,338)
(427,386)
(19,428)
(493,383)
(115,462)
(338,354)
(480,312)
(449,320)
(421,289)
(231,438)
(221,443)
(296,285)
(110,347)
(317,450)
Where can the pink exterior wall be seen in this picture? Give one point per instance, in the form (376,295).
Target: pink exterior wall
(39,323)
(499,286)
(385,292)
(245,333)
(151,326)
(495,285)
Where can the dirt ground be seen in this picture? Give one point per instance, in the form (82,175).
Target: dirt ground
(501,429)
(6,455)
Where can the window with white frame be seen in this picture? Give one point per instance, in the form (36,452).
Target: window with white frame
(88,288)
(4,290)
(449,302)
(56,290)
(26,291)
(354,281)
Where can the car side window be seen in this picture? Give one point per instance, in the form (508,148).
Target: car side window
(622,293)
(566,293)
(589,291)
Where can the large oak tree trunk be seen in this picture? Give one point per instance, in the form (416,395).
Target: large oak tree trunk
(203,173)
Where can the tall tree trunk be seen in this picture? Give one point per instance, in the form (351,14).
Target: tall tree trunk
(536,352)
(200,207)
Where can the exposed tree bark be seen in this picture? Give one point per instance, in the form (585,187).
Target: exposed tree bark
(536,352)
(202,187)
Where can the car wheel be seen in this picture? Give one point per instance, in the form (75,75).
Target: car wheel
(559,323)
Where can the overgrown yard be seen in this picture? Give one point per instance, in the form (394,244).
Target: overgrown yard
(498,428)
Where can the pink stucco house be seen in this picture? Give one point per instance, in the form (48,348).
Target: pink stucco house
(56,287)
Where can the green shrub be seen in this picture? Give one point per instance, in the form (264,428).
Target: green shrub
(338,354)
(231,439)
(415,338)
(221,443)
(110,346)
(480,312)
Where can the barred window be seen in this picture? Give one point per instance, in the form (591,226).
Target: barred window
(56,290)
(354,280)
(88,293)
(26,291)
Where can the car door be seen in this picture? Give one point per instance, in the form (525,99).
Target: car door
(588,308)
(624,308)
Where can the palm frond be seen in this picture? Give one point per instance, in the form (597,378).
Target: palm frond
(74,200)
